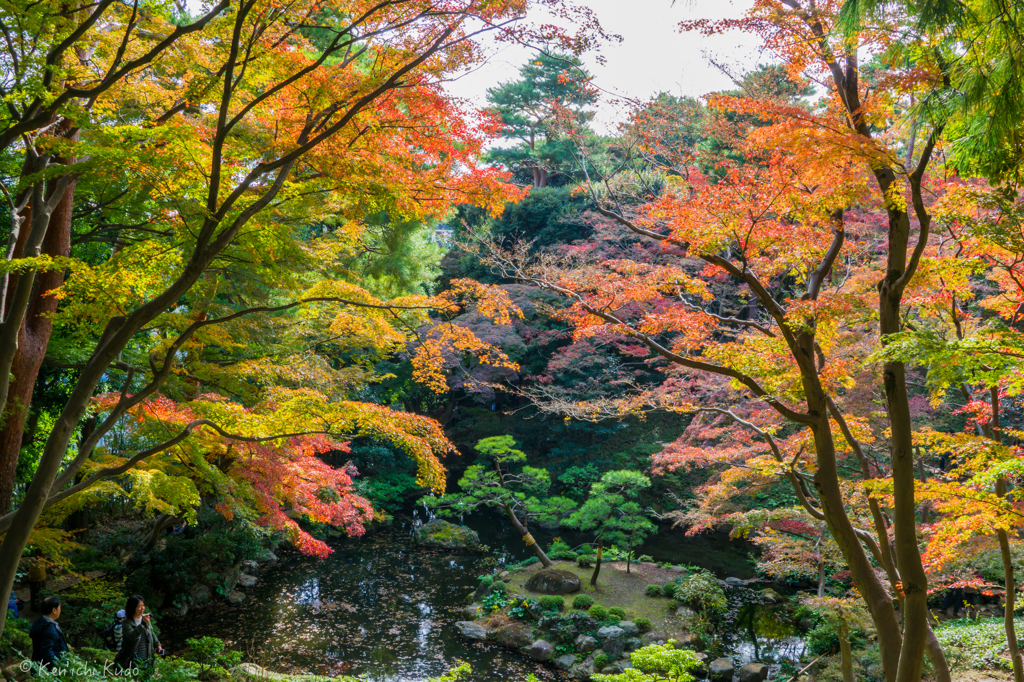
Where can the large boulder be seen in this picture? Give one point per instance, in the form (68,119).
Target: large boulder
(443,535)
(754,672)
(720,669)
(246,580)
(629,627)
(513,635)
(471,630)
(235,597)
(613,640)
(541,651)
(553,581)
(565,662)
(653,638)
(585,644)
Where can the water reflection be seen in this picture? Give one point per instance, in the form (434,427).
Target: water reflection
(382,608)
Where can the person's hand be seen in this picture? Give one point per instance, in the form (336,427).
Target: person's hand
(145,618)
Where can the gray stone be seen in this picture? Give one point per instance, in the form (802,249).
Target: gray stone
(441,534)
(235,597)
(685,613)
(584,622)
(565,662)
(585,644)
(653,638)
(584,669)
(688,640)
(754,672)
(246,580)
(504,575)
(617,668)
(541,651)
(200,594)
(720,669)
(735,582)
(678,569)
(613,640)
(268,557)
(514,636)
(629,627)
(701,670)
(553,581)
(473,611)
(633,643)
(771,596)
(471,630)
(249,565)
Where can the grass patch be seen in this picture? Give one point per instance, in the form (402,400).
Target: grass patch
(616,589)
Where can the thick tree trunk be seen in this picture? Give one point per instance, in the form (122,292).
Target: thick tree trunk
(597,564)
(33,340)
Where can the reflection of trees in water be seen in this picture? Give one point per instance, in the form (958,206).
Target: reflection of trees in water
(764,633)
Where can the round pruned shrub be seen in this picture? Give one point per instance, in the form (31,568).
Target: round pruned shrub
(499,587)
(598,613)
(653,591)
(601,661)
(643,623)
(486,581)
(616,613)
(669,590)
(552,602)
(582,602)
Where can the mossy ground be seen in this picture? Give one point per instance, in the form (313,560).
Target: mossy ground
(615,587)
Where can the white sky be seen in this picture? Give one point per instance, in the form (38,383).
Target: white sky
(653,56)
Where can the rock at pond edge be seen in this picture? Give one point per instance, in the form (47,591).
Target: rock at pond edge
(444,535)
(541,651)
(754,672)
(471,630)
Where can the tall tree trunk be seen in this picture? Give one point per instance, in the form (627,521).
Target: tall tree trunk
(597,564)
(846,652)
(908,554)
(826,482)
(33,339)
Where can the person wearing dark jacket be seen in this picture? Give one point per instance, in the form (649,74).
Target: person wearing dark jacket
(48,643)
(139,645)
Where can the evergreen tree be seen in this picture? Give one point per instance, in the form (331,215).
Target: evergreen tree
(550,86)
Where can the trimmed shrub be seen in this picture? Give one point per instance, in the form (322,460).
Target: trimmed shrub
(643,623)
(582,602)
(552,602)
(598,612)
(499,587)
(486,580)
(669,590)
(653,591)
(617,613)
(602,660)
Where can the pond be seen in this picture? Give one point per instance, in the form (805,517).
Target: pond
(380,606)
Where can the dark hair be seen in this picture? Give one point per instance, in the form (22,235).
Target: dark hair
(129,608)
(50,604)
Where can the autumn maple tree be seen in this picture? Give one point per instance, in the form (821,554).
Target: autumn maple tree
(789,223)
(200,154)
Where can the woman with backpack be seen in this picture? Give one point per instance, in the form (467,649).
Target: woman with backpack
(139,645)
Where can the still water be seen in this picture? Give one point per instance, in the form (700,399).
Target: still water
(380,606)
